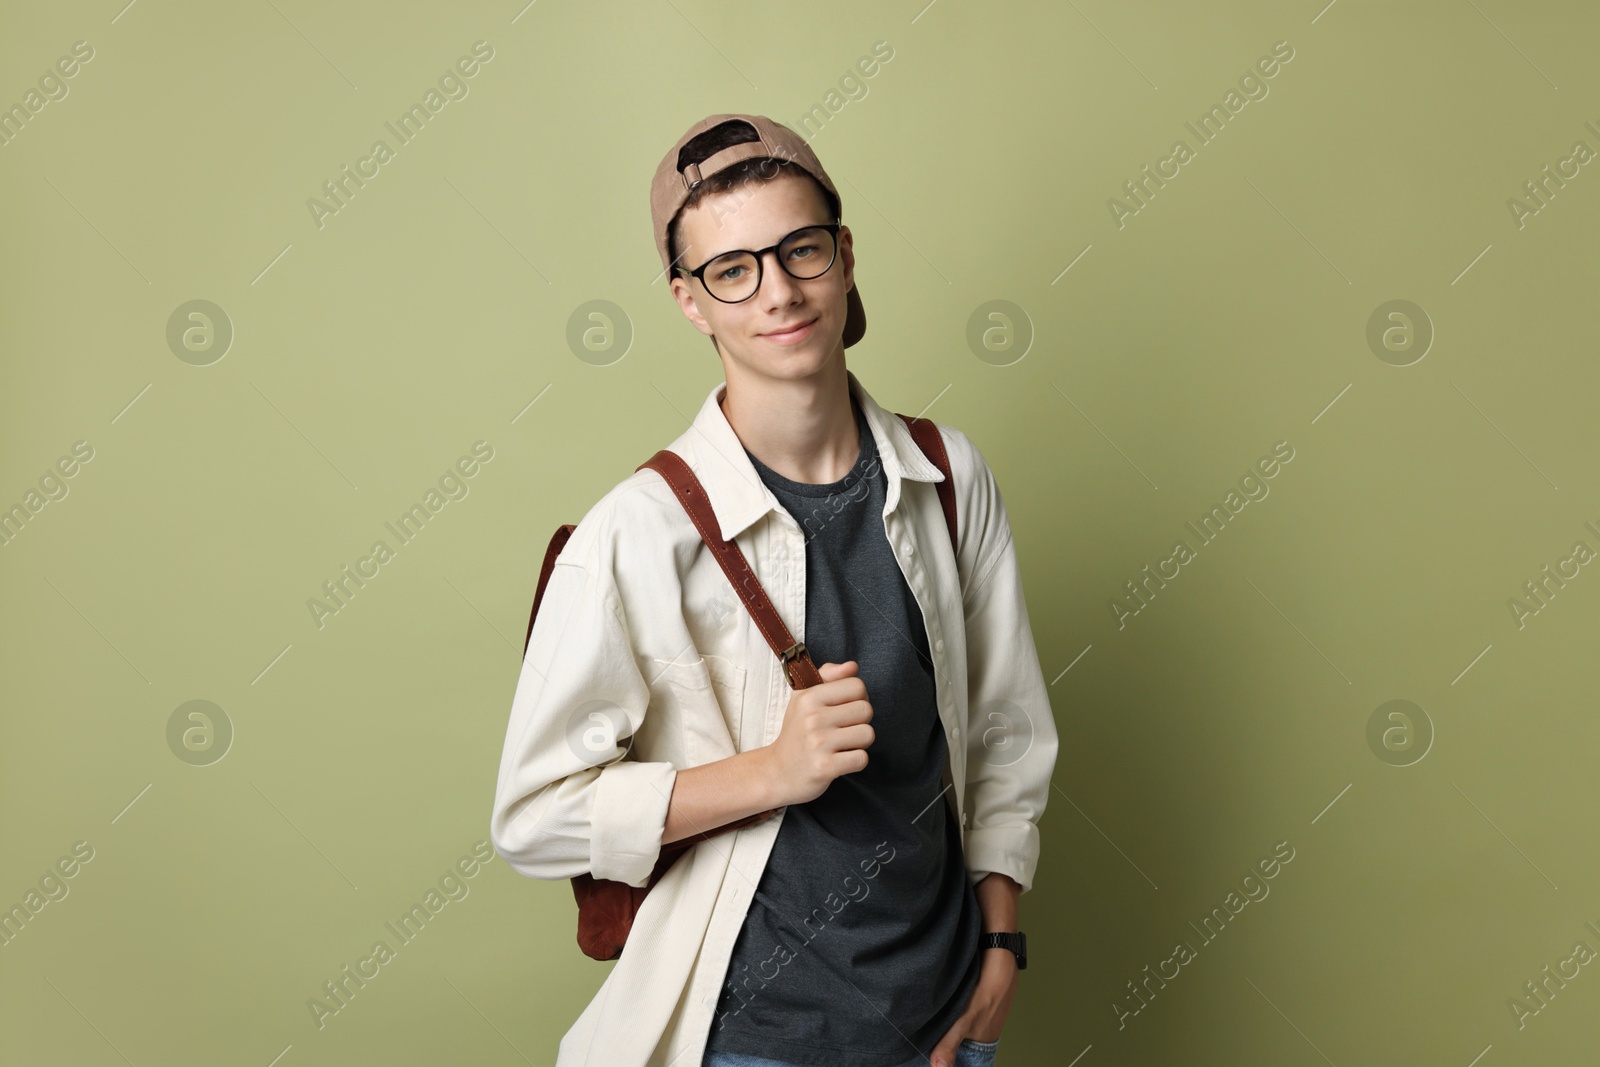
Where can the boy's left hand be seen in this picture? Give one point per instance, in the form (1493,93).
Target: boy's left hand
(986,1011)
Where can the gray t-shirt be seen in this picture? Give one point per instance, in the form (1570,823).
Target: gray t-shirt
(860,948)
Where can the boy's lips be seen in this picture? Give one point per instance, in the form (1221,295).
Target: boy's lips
(792,333)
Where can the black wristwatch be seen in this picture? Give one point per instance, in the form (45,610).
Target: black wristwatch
(1016,944)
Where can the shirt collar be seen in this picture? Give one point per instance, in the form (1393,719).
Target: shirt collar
(736,492)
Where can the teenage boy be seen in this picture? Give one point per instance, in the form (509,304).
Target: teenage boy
(872,921)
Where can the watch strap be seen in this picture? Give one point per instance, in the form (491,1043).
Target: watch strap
(1015,943)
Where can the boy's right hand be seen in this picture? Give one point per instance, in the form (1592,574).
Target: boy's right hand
(825,734)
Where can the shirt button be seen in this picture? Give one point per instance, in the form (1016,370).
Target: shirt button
(938,646)
(911,549)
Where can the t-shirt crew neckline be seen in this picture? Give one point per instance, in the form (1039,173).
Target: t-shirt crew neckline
(852,476)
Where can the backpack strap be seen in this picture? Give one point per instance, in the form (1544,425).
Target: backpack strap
(926,434)
(557,543)
(797,663)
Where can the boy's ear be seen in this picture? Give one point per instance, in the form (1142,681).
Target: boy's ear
(683,293)
(847,256)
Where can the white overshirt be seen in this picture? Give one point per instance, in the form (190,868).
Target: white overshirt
(644,660)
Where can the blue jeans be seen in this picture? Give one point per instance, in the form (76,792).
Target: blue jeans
(968,1054)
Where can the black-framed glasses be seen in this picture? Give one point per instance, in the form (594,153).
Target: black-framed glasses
(736,276)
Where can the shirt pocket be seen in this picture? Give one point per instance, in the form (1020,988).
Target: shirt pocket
(708,695)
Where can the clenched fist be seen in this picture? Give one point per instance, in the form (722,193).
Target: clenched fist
(825,734)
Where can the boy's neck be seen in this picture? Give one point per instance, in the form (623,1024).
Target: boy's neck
(804,429)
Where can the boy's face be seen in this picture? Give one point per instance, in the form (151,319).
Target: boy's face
(753,217)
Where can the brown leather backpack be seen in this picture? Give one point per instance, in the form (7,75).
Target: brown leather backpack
(606,908)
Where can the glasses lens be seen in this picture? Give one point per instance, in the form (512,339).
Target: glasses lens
(807,253)
(732,277)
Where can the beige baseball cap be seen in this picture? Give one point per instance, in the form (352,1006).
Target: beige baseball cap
(672,184)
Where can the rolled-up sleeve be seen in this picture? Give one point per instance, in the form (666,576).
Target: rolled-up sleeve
(570,797)
(1011,732)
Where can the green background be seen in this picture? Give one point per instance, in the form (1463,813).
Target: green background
(1228,314)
